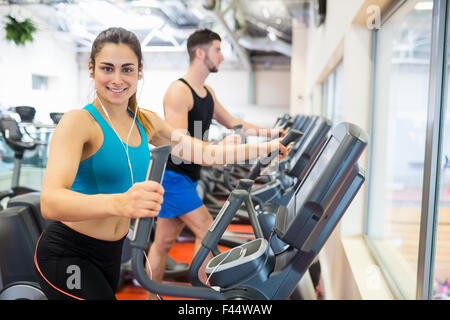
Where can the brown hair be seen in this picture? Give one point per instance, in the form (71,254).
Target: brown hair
(123,36)
(199,38)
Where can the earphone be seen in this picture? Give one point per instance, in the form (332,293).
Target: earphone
(91,71)
(129,164)
(128,136)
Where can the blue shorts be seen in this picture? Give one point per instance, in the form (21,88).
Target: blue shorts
(180,195)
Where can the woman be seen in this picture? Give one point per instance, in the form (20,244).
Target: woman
(95,176)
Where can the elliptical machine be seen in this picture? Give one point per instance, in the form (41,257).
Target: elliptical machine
(20,227)
(56,116)
(13,137)
(264,268)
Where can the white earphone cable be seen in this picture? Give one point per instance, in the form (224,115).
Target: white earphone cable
(129,132)
(129,162)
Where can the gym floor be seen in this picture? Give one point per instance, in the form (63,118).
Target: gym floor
(180,252)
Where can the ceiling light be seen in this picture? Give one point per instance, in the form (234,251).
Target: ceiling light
(272,36)
(266,13)
(424,5)
(144,3)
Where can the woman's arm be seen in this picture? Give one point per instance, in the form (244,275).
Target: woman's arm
(207,154)
(58,202)
(203,152)
(225,118)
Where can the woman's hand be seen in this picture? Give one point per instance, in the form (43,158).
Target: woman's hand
(142,200)
(283,151)
(231,139)
(277,133)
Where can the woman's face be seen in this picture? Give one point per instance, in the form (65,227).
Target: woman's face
(116,73)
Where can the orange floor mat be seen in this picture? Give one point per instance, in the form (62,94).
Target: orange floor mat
(240,228)
(181,252)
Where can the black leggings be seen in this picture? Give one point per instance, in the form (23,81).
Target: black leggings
(71,265)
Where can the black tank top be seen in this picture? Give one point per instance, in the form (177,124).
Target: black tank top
(199,120)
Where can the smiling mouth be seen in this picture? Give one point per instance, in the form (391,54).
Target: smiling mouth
(116,90)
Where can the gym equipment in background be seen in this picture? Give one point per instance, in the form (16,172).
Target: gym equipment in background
(264,268)
(14,139)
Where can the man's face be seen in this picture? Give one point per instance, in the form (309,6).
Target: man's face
(213,56)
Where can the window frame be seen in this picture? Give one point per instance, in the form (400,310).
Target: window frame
(432,162)
(330,83)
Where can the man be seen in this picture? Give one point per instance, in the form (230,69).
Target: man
(190,104)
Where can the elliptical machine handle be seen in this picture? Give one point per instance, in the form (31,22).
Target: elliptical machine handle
(237,129)
(215,232)
(155,172)
(140,242)
(158,161)
(245,184)
(287,125)
(291,137)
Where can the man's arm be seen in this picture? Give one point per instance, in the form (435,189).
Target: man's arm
(177,102)
(203,152)
(222,116)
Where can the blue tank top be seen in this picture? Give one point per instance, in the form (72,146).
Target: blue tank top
(107,171)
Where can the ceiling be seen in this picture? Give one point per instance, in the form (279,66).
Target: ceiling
(258,31)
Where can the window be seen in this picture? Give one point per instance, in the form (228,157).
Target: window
(441,283)
(332,95)
(39,82)
(402,71)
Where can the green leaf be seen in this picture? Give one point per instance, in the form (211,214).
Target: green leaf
(19,32)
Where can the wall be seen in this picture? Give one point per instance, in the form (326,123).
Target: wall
(54,54)
(298,99)
(51,54)
(271,89)
(343,37)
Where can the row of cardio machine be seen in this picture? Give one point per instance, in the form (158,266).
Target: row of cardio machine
(292,210)
(13,129)
(16,136)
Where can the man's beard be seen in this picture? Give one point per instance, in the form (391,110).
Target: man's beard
(211,67)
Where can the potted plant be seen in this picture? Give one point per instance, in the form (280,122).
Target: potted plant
(19,31)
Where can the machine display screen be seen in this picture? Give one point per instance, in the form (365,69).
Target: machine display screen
(315,172)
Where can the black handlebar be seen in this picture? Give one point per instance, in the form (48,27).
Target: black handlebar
(141,236)
(237,128)
(291,137)
(215,232)
(155,172)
